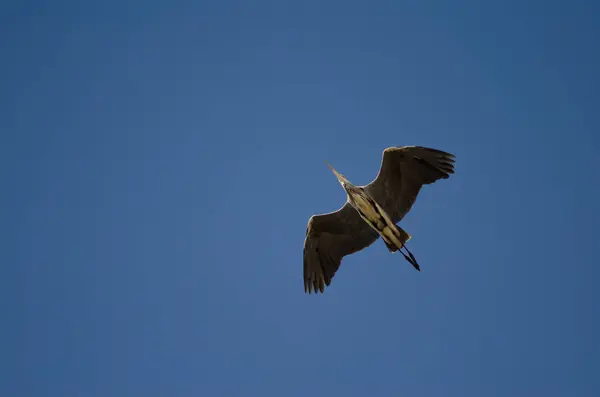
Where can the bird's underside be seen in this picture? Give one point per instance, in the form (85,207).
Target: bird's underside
(331,236)
(371,212)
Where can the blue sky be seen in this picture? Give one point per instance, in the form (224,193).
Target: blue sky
(160,161)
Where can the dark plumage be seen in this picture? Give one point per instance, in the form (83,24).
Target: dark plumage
(331,236)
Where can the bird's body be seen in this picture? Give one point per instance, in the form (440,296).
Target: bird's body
(371,211)
(376,217)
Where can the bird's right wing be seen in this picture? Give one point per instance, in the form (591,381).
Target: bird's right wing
(404,170)
(330,237)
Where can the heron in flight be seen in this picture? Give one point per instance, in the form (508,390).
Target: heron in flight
(371,211)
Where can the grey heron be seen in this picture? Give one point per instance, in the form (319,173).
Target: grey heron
(371,211)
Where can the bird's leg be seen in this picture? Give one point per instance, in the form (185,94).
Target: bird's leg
(411,258)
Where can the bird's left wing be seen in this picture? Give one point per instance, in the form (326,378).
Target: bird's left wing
(330,237)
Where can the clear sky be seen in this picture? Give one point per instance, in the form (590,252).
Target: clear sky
(160,161)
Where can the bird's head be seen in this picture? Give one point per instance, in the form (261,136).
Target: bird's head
(346,184)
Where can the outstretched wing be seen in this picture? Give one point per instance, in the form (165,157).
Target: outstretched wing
(330,237)
(404,170)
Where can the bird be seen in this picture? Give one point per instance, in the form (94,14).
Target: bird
(371,211)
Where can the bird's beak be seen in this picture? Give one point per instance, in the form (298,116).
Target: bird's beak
(339,176)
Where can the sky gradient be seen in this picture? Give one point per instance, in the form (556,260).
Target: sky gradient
(160,162)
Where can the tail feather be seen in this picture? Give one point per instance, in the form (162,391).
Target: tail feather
(402,235)
(391,247)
